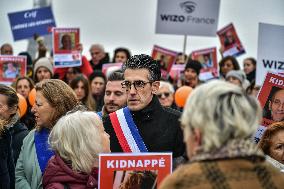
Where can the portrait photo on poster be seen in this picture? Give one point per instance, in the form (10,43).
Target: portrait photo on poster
(11,70)
(274,106)
(67,41)
(135,179)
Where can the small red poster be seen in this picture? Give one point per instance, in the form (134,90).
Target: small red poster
(230,42)
(271,98)
(12,67)
(208,59)
(133,170)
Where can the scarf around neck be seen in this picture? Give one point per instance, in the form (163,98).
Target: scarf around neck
(236,148)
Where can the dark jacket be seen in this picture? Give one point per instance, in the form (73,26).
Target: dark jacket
(29,119)
(7,168)
(99,66)
(251,76)
(18,131)
(99,99)
(59,175)
(158,126)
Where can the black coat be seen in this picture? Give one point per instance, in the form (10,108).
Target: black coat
(18,131)
(7,168)
(29,119)
(99,66)
(158,126)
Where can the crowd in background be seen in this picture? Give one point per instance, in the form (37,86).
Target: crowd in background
(71,101)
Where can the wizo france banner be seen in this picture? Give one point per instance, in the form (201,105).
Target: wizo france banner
(184,17)
(270,56)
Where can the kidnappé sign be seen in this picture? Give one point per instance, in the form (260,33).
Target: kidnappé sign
(271,98)
(118,170)
(185,17)
(270,56)
(25,24)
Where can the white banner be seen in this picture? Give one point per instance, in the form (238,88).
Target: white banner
(194,17)
(270,56)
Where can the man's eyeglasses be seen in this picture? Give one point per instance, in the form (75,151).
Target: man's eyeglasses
(138,85)
(163,94)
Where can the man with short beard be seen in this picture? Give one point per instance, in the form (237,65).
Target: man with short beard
(115,95)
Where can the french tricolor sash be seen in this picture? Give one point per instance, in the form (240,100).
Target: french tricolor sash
(126,131)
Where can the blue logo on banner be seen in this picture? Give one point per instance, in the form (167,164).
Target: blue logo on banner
(25,24)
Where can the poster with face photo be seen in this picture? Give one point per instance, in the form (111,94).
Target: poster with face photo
(230,42)
(208,59)
(271,98)
(65,42)
(165,57)
(133,170)
(12,67)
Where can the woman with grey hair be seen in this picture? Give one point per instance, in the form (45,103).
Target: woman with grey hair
(219,120)
(166,94)
(76,139)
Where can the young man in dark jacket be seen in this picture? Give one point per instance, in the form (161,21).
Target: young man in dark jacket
(158,127)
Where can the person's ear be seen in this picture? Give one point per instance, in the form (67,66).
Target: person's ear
(197,137)
(155,87)
(269,105)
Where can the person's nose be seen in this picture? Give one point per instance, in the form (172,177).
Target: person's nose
(281,107)
(111,97)
(33,109)
(132,90)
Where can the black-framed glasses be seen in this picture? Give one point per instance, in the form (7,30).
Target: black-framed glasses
(138,85)
(163,94)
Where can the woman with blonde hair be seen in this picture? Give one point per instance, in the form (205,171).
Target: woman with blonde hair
(54,98)
(76,139)
(219,120)
(272,144)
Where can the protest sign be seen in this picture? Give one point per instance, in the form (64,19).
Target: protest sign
(165,57)
(271,98)
(176,71)
(65,41)
(230,42)
(110,67)
(270,56)
(208,59)
(187,17)
(117,169)
(12,67)
(25,24)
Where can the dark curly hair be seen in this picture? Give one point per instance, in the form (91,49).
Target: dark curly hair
(144,61)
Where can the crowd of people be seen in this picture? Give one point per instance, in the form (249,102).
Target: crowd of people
(82,111)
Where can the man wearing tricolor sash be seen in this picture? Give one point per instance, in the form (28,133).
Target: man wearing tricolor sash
(144,125)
